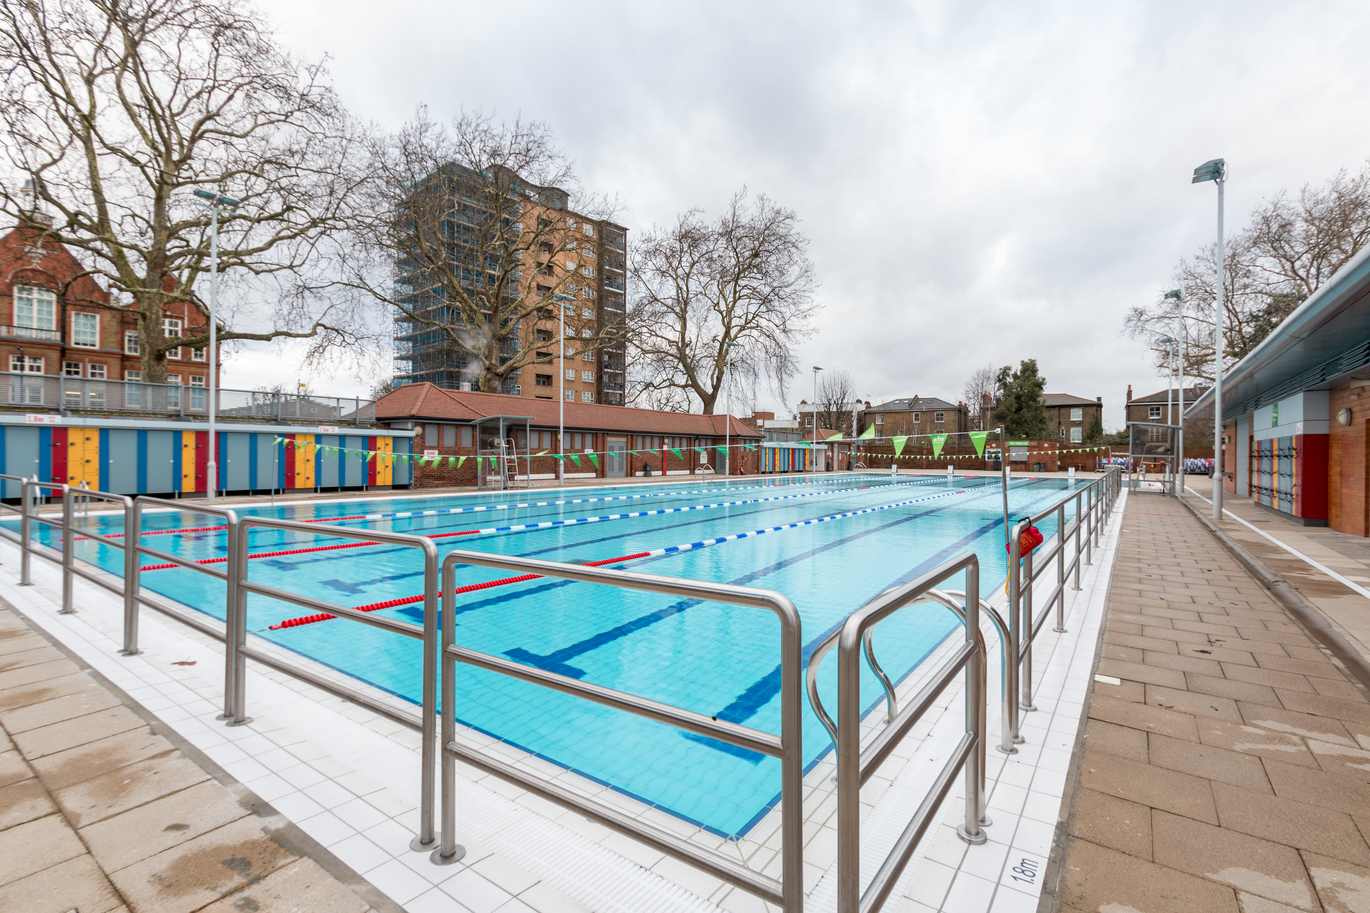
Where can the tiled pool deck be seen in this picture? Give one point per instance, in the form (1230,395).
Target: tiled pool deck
(348,779)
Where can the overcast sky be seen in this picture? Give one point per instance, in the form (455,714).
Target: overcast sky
(981,182)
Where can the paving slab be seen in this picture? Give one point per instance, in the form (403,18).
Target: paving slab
(1240,782)
(99,813)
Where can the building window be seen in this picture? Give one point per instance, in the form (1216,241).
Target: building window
(1077,414)
(197,354)
(879,419)
(571,396)
(588,229)
(35,308)
(570,373)
(197,391)
(587,313)
(569,310)
(71,369)
(587,355)
(85,329)
(939,417)
(135,376)
(171,329)
(97,372)
(1153,412)
(587,397)
(131,345)
(1063,434)
(542,380)
(588,293)
(587,376)
(570,266)
(587,332)
(449,435)
(1077,435)
(430,435)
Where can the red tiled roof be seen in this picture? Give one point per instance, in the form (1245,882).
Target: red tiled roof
(429,402)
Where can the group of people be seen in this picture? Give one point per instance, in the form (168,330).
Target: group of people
(1192,466)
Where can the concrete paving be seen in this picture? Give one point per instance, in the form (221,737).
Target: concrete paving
(102,810)
(1225,763)
(1347,555)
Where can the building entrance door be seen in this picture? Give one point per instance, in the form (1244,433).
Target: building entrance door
(616,460)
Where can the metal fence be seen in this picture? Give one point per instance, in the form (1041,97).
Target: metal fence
(58,392)
(439,708)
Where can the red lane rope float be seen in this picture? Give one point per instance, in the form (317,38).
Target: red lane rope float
(409,600)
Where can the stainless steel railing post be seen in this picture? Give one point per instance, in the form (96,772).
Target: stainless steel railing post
(427,782)
(132,577)
(1078,536)
(1060,568)
(68,550)
(1025,676)
(1015,622)
(25,534)
(977,797)
(449,851)
(235,623)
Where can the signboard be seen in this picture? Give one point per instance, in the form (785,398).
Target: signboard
(429,454)
(43,419)
(328,429)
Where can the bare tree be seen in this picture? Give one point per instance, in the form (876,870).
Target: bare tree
(979,395)
(1288,249)
(698,287)
(475,239)
(836,393)
(114,111)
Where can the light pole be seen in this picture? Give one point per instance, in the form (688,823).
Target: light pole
(561,397)
(1169,344)
(816,369)
(728,419)
(1215,170)
(214,202)
(1179,481)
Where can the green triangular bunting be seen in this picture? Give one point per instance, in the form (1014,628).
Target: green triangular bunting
(978,439)
(937,441)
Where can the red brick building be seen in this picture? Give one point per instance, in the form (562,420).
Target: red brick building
(56,321)
(467,424)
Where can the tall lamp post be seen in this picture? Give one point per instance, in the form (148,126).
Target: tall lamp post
(561,394)
(214,202)
(1169,344)
(1179,297)
(1215,170)
(728,418)
(816,369)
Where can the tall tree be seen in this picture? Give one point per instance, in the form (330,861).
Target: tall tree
(980,397)
(698,286)
(115,111)
(836,394)
(472,235)
(1290,246)
(1018,401)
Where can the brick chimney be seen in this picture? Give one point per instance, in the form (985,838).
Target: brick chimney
(1129,393)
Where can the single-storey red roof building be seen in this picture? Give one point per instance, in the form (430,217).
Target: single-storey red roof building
(511,436)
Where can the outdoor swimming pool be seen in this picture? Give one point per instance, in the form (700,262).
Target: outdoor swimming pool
(854,536)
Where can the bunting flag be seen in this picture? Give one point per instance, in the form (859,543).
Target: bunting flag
(868,433)
(899,443)
(721,449)
(559,456)
(835,437)
(978,439)
(749,446)
(937,441)
(678,454)
(574,459)
(594,458)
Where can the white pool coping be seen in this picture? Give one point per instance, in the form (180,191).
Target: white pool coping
(349,778)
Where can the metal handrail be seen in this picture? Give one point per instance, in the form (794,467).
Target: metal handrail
(854,766)
(425,722)
(1024,572)
(27,519)
(788,891)
(133,581)
(69,540)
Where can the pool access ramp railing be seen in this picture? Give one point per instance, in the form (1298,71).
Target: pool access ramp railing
(437,713)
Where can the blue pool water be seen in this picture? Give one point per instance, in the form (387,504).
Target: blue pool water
(715,659)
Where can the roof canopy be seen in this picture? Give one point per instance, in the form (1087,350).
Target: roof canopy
(429,402)
(1322,344)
